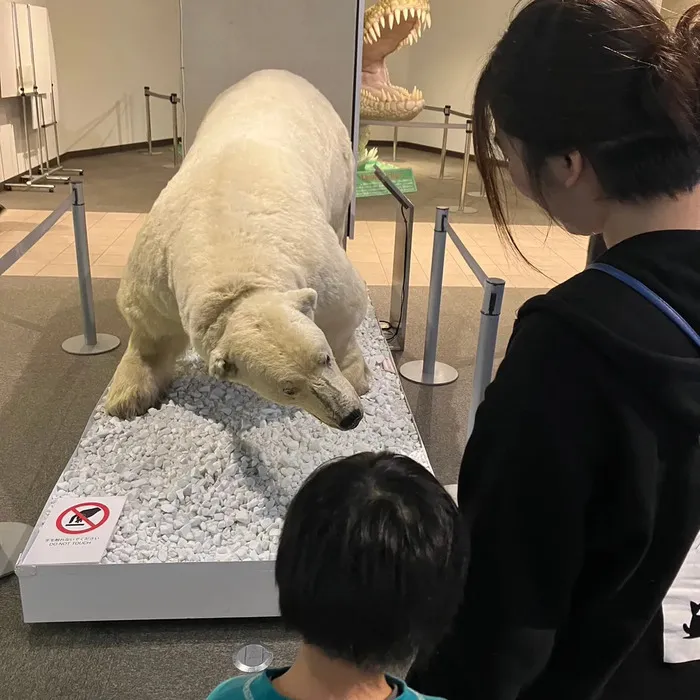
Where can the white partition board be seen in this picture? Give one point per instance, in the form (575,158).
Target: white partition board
(9,87)
(25,66)
(9,164)
(42,47)
(52,114)
(225,40)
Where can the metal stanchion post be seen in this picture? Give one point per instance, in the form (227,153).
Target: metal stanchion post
(428,371)
(596,247)
(395,333)
(176,138)
(395,144)
(443,151)
(91,342)
(486,345)
(149,135)
(149,127)
(480,194)
(461,209)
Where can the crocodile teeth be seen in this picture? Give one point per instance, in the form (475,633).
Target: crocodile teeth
(428,20)
(377,30)
(413,11)
(397,14)
(382,21)
(405,13)
(373,34)
(419,32)
(391,21)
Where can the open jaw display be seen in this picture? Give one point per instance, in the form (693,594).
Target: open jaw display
(389,25)
(207,480)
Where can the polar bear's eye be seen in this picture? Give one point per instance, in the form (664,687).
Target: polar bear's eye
(289,391)
(327,360)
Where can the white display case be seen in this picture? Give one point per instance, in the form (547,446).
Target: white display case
(189,542)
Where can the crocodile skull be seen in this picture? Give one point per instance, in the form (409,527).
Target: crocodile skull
(389,26)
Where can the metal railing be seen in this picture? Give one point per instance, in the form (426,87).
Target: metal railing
(90,342)
(445,127)
(395,330)
(429,371)
(174,101)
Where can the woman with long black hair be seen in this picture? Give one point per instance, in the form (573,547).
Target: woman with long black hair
(581,481)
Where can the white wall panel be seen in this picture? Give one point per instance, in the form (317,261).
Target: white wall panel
(225,40)
(106,52)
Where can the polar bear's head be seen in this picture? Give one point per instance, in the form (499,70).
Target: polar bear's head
(271,344)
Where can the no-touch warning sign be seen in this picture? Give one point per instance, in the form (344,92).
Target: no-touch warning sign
(82,518)
(75,531)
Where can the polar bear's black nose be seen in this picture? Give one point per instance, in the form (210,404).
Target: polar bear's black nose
(352,420)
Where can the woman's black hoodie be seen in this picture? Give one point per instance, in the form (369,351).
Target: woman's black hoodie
(581,484)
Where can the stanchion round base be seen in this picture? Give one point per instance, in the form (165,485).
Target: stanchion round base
(252,658)
(443,374)
(466,210)
(77,345)
(13,538)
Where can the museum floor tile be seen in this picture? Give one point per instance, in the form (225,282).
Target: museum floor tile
(556,255)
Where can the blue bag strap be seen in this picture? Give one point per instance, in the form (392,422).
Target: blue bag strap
(650,296)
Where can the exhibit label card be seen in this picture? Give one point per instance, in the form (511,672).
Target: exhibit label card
(76,531)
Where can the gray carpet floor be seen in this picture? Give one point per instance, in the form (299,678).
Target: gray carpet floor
(46,398)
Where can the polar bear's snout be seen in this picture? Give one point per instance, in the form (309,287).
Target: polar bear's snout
(332,399)
(352,420)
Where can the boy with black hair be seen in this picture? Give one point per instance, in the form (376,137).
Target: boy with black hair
(369,569)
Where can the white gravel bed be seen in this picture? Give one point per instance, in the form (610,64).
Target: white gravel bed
(209,475)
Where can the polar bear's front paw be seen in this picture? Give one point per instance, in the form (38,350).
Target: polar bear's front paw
(134,388)
(360,377)
(130,402)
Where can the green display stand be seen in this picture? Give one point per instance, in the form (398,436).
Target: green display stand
(367,184)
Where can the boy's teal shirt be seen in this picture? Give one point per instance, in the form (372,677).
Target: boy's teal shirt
(259,687)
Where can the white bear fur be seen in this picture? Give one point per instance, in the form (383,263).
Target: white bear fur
(241,257)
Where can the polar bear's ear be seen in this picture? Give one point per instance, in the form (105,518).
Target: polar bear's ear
(304,300)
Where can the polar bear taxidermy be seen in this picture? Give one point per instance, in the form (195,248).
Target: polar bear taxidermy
(241,258)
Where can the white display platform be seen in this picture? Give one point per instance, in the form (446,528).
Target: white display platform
(207,478)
